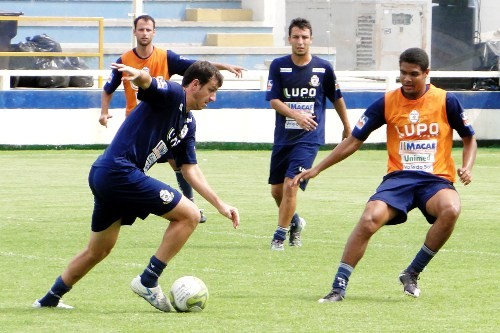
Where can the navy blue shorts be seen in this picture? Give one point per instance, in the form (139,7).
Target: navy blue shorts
(289,161)
(405,190)
(126,195)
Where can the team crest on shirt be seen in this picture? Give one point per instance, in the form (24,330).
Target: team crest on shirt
(145,69)
(414,116)
(166,196)
(314,82)
(269,85)
(184,131)
(161,82)
(362,121)
(110,77)
(465,119)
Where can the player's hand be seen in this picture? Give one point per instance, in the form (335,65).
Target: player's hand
(235,217)
(464,175)
(130,73)
(236,70)
(304,175)
(306,121)
(103,119)
(232,214)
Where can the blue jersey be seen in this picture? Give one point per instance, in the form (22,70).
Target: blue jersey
(303,88)
(159,124)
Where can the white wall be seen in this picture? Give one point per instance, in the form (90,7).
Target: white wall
(490,13)
(270,12)
(81,126)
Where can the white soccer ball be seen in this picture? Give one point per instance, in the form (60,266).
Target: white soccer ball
(189,294)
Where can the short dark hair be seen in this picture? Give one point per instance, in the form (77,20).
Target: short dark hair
(146,18)
(417,56)
(204,71)
(300,23)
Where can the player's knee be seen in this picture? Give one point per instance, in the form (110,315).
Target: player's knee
(450,213)
(97,254)
(369,224)
(276,194)
(192,217)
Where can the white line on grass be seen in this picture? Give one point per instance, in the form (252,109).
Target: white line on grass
(380,245)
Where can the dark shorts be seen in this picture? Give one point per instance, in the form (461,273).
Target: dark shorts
(289,161)
(126,195)
(405,190)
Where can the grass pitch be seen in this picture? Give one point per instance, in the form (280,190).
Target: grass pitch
(45,209)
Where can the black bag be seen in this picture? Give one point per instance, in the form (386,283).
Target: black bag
(40,43)
(78,81)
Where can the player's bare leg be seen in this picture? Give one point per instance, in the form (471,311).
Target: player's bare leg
(375,215)
(445,205)
(285,197)
(99,246)
(183,221)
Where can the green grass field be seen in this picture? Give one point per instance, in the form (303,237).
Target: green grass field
(45,209)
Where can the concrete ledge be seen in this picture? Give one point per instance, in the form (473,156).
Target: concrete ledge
(160,23)
(239,39)
(191,48)
(218,15)
(69,117)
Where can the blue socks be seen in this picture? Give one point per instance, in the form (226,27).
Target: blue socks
(280,233)
(418,264)
(295,221)
(342,278)
(55,293)
(149,278)
(186,189)
(421,260)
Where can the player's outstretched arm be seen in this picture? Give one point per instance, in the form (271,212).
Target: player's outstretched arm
(236,70)
(192,173)
(139,77)
(343,150)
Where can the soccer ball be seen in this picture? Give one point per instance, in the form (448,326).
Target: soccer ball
(189,294)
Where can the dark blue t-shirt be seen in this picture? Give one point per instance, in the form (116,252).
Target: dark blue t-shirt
(304,88)
(158,124)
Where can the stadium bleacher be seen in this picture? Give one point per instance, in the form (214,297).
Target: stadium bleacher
(204,29)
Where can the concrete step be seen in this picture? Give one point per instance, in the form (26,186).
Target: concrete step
(120,30)
(218,15)
(159,9)
(239,39)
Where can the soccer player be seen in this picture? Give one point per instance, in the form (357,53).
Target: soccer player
(159,63)
(420,120)
(297,88)
(122,191)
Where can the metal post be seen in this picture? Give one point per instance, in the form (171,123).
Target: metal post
(137,9)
